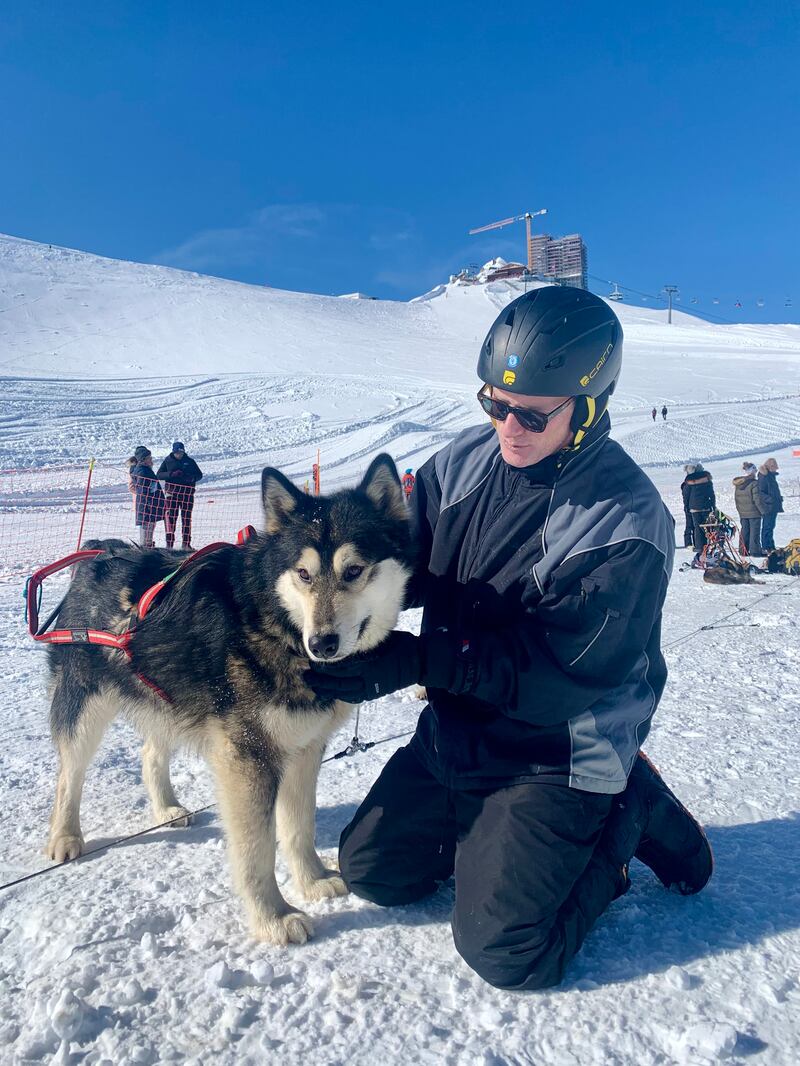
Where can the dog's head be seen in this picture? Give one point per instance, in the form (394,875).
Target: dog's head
(342,561)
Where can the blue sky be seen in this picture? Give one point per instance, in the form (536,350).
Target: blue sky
(335,147)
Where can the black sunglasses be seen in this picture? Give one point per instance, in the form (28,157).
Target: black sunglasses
(533,421)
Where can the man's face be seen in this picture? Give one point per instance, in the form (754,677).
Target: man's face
(179,454)
(520,447)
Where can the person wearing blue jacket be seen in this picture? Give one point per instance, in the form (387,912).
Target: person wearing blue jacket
(545,555)
(770,501)
(148,495)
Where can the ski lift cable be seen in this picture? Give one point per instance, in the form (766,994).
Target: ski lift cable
(651,296)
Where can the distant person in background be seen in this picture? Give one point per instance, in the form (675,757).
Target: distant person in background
(654,412)
(664,412)
(131,487)
(770,501)
(180,473)
(745,496)
(148,494)
(688,534)
(701,501)
(408,480)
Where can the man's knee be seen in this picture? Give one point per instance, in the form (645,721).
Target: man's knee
(362,873)
(535,963)
(370,870)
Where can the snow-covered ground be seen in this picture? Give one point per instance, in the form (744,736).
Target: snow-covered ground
(139,953)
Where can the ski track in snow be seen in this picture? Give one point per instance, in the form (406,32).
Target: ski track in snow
(139,954)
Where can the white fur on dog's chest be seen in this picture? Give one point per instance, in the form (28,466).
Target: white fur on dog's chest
(294,730)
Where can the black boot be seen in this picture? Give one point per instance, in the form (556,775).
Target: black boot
(649,821)
(673,843)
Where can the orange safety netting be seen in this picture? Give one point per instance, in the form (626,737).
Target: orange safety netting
(41,511)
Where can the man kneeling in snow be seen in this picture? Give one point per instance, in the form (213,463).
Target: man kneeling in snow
(545,558)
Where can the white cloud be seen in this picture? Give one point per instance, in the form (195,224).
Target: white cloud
(267,228)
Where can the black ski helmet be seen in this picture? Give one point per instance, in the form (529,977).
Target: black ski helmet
(556,341)
(553,341)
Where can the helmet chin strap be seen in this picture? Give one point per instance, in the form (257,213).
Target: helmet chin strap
(583,421)
(586,424)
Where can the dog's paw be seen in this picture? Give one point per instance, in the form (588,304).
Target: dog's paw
(326,887)
(292,928)
(178,816)
(62,847)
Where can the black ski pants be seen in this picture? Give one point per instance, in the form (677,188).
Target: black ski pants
(688,530)
(179,502)
(530,880)
(751,535)
(699,519)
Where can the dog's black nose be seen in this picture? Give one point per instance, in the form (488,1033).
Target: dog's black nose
(324,645)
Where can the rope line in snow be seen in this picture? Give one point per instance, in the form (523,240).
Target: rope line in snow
(349,750)
(714,623)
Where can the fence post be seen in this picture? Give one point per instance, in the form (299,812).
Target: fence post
(85,501)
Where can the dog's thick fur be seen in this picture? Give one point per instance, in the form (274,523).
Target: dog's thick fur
(728,572)
(228,641)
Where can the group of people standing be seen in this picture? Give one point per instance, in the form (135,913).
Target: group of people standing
(152,504)
(758,503)
(654,412)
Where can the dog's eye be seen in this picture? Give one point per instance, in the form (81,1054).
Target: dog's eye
(352,572)
(304,575)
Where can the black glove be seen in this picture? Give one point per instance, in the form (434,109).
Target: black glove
(434,659)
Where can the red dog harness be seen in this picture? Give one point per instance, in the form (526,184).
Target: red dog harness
(119,641)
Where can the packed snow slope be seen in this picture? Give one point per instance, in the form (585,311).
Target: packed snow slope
(139,953)
(82,339)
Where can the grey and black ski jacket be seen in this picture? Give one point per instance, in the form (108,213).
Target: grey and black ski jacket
(551,581)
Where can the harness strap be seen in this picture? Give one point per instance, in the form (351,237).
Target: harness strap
(147,598)
(33,596)
(118,641)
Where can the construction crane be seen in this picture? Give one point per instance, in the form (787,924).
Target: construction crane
(526,218)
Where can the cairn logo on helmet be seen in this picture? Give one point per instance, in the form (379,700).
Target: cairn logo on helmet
(587,378)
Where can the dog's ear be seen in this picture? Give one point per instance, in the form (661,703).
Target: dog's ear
(279,498)
(383,487)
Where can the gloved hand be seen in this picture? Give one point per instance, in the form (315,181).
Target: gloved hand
(401,660)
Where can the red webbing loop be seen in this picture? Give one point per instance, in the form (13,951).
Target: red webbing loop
(33,586)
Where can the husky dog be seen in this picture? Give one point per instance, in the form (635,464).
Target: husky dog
(728,572)
(226,644)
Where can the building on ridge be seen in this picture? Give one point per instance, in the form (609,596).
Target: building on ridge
(561,260)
